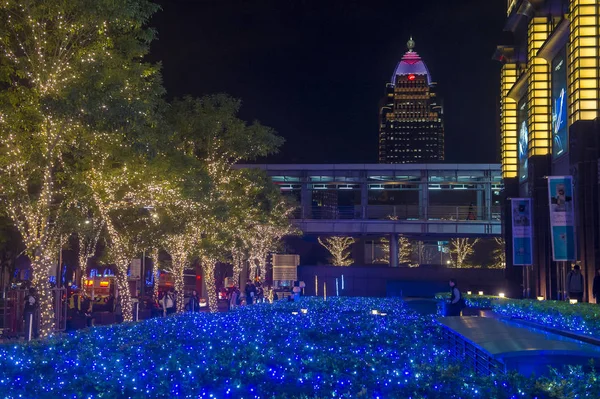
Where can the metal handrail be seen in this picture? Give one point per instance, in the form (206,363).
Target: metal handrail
(462,213)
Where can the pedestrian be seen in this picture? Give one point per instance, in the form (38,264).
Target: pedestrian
(596,286)
(29,314)
(168,303)
(575,284)
(275,296)
(118,309)
(296,290)
(194,302)
(259,293)
(110,303)
(456,302)
(249,293)
(233,298)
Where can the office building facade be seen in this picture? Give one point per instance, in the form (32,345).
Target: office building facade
(411,128)
(550,129)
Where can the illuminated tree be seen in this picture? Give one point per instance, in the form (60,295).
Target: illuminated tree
(499,254)
(420,248)
(208,131)
(406,250)
(156,272)
(89,233)
(119,194)
(461,249)
(69,70)
(339,248)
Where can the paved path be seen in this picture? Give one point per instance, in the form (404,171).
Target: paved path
(515,347)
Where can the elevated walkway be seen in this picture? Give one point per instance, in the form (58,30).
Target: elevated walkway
(428,228)
(494,346)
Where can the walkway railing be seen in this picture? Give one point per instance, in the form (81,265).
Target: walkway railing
(399,212)
(13,323)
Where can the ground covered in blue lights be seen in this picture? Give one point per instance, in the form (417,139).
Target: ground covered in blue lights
(338,349)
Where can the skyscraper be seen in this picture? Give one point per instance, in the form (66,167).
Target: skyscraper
(411,125)
(550,136)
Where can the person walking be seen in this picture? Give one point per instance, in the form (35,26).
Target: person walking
(596,286)
(456,303)
(575,284)
(118,309)
(250,291)
(194,302)
(233,298)
(29,314)
(169,302)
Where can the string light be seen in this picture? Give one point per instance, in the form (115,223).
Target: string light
(580,318)
(52,58)
(339,248)
(337,349)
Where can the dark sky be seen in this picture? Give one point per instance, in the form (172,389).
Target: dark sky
(315,70)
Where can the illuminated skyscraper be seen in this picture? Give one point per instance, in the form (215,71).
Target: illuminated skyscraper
(550,141)
(411,126)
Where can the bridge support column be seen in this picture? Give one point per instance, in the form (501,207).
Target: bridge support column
(424,198)
(488,197)
(480,205)
(364,197)
(305,201)
(394,250)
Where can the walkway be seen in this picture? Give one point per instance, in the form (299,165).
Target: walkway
(497,346)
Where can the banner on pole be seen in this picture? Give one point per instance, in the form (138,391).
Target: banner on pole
(135,269)
(521,231)
(562,217)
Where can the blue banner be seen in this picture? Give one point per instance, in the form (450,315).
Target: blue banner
(562,218)
(521,231)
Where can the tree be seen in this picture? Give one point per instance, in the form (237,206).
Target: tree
(119,195)
(461,249)
(339,248)
(68,71)
(499,254)
(89,233)
(154,255)
(207,134)
(406,250)
(420,249)
(384,247)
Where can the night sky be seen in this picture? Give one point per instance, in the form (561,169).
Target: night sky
(315,70)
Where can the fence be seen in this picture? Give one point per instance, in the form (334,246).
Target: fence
(12,311)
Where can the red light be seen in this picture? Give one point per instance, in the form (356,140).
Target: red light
(411,77)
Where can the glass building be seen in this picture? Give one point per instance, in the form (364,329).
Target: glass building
(411,127)
(550,80)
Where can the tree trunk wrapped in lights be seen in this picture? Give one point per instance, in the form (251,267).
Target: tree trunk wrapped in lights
(41,270)
(237,262)
(179,246)
(208,273)
(89,234)
(156,273)
(121,258)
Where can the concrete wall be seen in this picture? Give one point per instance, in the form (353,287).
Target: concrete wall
(382,281)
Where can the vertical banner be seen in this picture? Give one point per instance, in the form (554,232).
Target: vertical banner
(135,271)
(521,231)
(562,217)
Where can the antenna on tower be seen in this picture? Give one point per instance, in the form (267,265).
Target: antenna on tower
(410,44)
